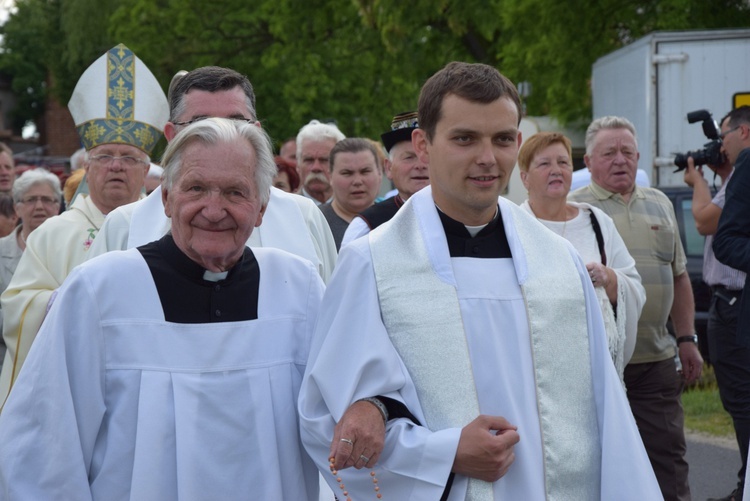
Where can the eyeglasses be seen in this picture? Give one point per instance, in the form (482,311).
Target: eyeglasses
(198,119)
(45,201)
(723,134)
(108,160)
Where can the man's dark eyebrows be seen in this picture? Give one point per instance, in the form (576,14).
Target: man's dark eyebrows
(511,131)
(462,131)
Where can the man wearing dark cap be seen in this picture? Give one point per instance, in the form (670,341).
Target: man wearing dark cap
(407,172)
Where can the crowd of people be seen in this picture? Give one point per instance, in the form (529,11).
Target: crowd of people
(234,324)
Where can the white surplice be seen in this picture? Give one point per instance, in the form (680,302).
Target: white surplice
(291,222)
(353,357)
(116,403)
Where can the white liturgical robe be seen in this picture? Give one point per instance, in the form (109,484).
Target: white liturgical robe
(348,363)
(291,222)
(114,402)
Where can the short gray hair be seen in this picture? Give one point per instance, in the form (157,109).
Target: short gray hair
(318,131)
(212,131)
(33,177)
(609,122)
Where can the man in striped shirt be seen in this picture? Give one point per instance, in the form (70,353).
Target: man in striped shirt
(646,221)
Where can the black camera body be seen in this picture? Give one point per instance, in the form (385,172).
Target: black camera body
(711,153)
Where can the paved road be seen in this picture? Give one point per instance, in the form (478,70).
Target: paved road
(713,466)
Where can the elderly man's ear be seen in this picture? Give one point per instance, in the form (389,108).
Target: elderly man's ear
(260,215)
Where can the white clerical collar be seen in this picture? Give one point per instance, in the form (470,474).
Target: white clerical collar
(474,230)
(214,276)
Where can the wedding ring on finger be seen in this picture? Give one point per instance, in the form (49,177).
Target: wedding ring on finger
(346,440)
(364,458)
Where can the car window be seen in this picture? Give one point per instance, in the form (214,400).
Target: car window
(693,240)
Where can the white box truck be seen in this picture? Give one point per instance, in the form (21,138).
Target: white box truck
(657,80)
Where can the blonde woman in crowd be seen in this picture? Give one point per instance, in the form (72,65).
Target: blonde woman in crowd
(546,165)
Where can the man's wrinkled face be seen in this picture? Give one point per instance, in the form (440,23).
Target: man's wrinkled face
(214,202)
(408,173)
(613,161)
(115,174)
(313,165)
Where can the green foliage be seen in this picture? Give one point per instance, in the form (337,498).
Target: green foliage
(27,52)
(356,61)
(50,41)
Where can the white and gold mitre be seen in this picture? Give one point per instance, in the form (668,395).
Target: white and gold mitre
(118,100)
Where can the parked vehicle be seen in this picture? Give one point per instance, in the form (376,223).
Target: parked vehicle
(692,241)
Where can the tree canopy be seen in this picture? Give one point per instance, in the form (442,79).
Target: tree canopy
(358,62)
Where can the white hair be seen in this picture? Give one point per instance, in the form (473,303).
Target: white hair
(212,131)
(317,131)
(33,177)
(609,122)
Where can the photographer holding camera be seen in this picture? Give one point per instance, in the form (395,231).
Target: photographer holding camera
(731,245)
(731,361)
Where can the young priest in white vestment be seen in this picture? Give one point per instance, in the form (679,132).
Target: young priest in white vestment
(460,351)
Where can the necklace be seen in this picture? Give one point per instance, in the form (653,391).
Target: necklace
(553,224)
(343,487)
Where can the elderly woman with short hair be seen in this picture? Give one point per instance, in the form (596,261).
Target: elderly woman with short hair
(545,160)
(37,196)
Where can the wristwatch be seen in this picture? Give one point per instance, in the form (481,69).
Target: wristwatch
(687,339)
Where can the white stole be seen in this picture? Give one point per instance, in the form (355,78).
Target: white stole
(422,315)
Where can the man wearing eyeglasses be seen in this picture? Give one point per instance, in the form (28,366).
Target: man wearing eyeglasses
(120,111)
(731,246)
(291,222)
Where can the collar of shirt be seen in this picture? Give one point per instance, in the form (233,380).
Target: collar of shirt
(187,298)
(491,242)
(186,266)
(603,194)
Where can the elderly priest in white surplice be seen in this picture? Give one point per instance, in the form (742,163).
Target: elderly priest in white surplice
(171,370)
